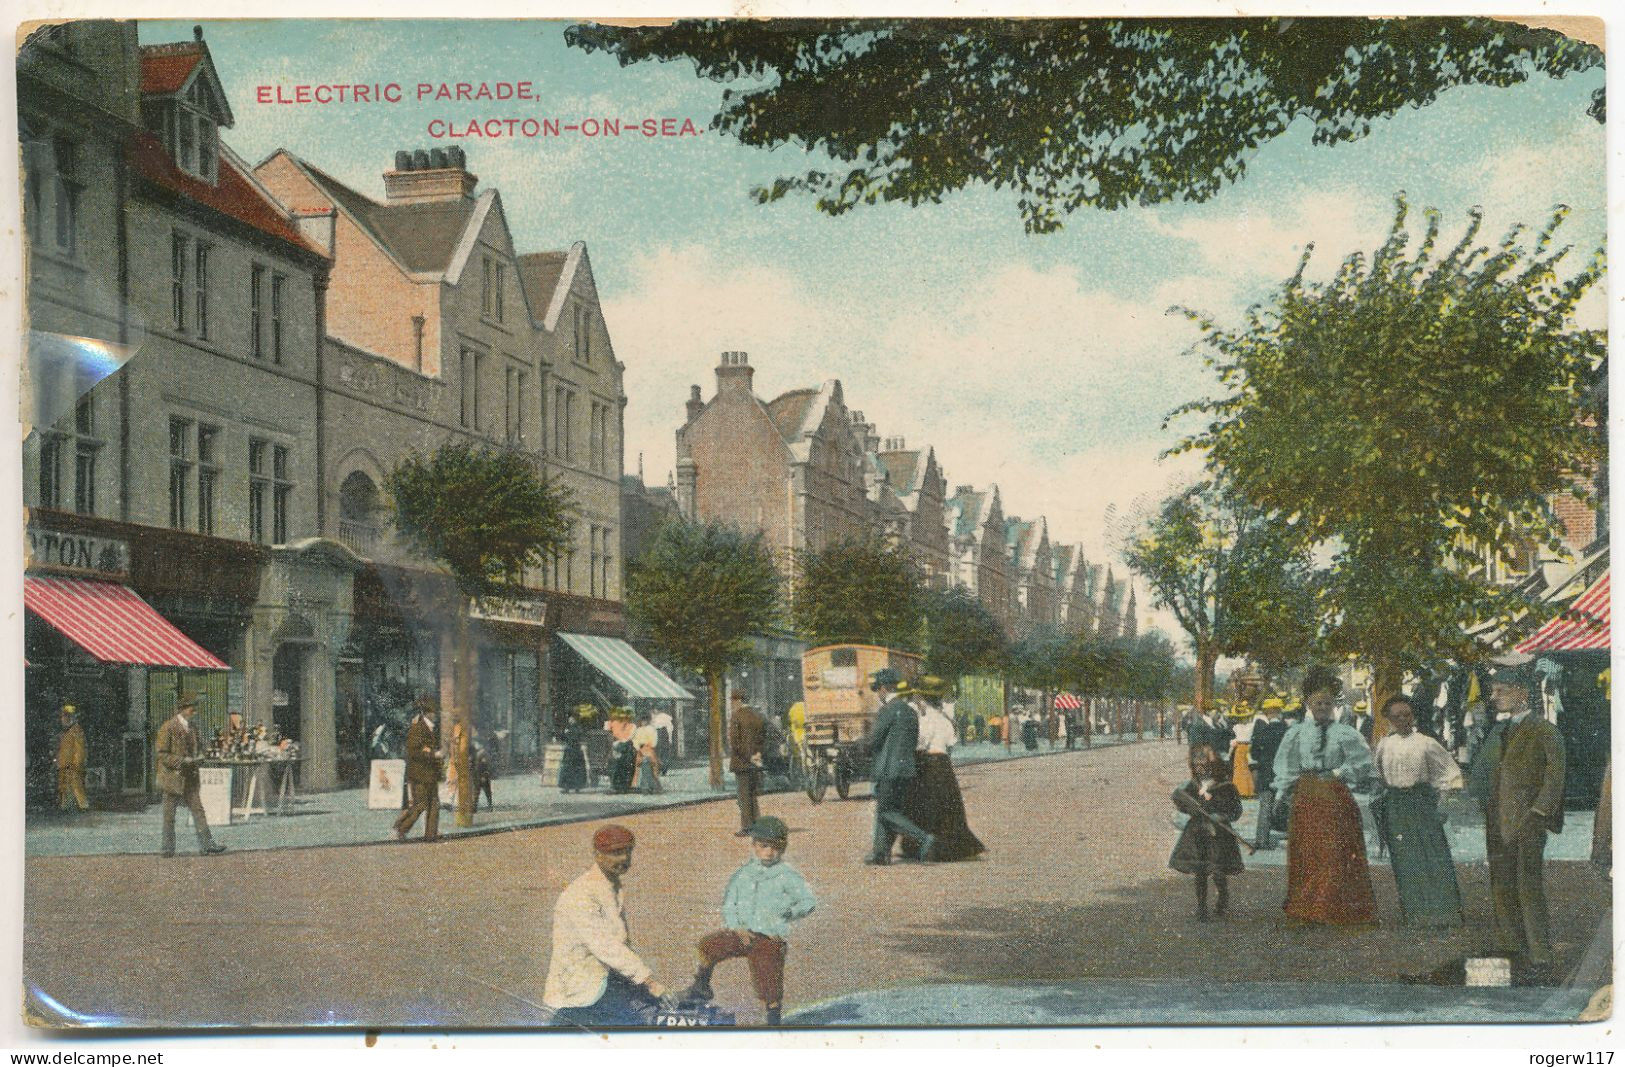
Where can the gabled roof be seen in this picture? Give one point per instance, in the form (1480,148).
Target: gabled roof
(539,274)
(233,194)
(169,69)
(904,469)
(422,237)
(789,411)
(967,512)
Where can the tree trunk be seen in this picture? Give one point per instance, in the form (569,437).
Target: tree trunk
(1088,722)
(715,679)
(1385,682)
(1207,657)
(462,683)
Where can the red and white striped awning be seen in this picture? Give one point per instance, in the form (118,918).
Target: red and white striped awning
(113,624)
(1067,702)
(1583,626)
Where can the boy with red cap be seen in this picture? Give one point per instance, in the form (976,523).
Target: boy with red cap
(594,978)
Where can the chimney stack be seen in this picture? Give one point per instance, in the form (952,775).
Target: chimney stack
(695,404)
(429,175)
(895,444)
(734,374)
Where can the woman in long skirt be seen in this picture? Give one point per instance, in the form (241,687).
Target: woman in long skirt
(1414,768)
(573,767)
(935,803)
(1241,751)
(1328,879)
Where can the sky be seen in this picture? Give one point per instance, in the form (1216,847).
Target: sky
(1042,364)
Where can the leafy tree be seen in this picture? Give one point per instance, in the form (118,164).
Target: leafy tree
(699,592)
(1229,577)
(1038,659)
(858,590)
(1407,416)
(961,636)
(1071,113)
(483,515)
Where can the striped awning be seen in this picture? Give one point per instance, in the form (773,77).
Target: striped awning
(1067,702)
(1583,626)
(113,623)
(621,664)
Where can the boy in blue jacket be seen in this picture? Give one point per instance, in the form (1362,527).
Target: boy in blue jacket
(762,899)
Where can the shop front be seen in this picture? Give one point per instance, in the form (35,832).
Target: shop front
(93,642)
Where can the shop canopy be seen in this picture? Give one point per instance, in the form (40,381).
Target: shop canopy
(622,664)
(113,623)
(1583,626)
(1067,702)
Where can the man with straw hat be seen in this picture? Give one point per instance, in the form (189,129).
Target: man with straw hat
(70,761)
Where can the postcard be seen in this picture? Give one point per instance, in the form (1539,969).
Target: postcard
(1160,577)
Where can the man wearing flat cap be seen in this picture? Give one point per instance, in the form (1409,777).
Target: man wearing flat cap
(892,742)
(70,762)
(593,977)
(423,768)
(1518,779)
(179,753)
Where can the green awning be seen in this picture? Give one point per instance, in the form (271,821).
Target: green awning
(621,664)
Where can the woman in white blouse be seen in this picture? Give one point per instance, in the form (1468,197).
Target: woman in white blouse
(935,802)
(1414,768)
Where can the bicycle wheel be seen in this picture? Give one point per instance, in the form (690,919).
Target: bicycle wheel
(817,781)
(843,779)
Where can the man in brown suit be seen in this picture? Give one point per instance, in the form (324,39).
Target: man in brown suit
(423,763)
(70,762)
(746,731)
(1523,803)
(179,753)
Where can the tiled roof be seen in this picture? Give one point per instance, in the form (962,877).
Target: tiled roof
(232,194)
(424,237)
(539,275)
(165,67)
(789,410)
(902,468)
(968,514)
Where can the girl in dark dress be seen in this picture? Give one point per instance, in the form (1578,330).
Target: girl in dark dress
(573,767)
(1204,850)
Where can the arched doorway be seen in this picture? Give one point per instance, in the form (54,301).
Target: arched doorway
(359,526)
(288,690)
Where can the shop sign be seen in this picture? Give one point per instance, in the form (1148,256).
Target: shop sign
(51,550)
(509,609)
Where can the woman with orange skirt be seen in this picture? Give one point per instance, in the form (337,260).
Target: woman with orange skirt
(1328,879)
(1241,751)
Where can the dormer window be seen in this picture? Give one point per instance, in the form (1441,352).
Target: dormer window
(190,134)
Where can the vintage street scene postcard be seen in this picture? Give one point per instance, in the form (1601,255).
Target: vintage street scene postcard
(813,523)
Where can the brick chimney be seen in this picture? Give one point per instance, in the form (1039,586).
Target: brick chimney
(429,176)
(734,374)
(695,404)
(895,444)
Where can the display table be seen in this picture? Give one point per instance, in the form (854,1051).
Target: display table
(254,781)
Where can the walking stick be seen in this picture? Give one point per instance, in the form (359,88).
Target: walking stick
(1186,802)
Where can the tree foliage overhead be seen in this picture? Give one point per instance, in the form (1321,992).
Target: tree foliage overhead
(1071,113)
(700,590)
(1038,659)
(961,636)
(485,514)
(1406,416)
(861,591)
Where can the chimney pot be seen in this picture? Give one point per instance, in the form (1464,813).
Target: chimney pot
(420,159)
(197,33)
(437,158)
(403,160)
(457,157)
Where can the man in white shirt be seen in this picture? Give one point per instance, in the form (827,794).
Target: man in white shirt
(593,977)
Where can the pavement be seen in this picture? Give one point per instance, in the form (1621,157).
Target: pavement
(341,817)
(1072,916)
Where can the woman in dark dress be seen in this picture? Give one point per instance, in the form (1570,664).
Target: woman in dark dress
(573,767)
(1204,850)
(935,803)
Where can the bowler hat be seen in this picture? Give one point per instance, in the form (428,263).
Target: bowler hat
(885,678)
(768,828)
(612,838)
(186,700)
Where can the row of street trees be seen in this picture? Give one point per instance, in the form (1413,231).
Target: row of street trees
(702,590)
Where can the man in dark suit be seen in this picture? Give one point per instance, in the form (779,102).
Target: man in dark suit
(423,764)
(746,732)
(1518,777)
(1210,729)
(1360,718)
(1268,729)
(179,753)
(896,731)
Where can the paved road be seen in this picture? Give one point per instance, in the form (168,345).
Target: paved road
(1075,889)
